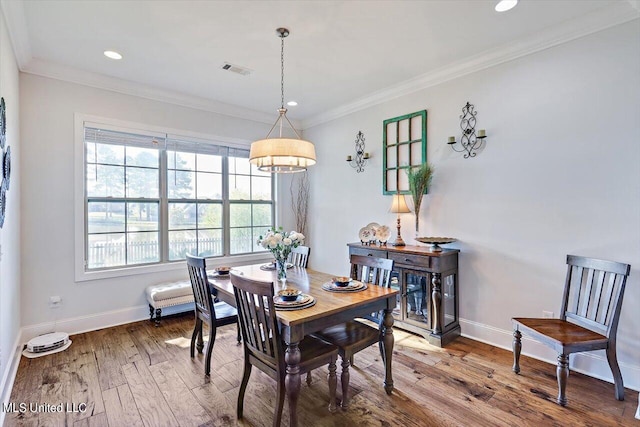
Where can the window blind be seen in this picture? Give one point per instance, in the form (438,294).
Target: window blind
(105,136)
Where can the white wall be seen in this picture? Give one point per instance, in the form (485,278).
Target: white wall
(47,111)
(559,176)
(10,233)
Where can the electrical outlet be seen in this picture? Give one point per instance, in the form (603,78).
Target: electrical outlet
(547,314)
(55,301)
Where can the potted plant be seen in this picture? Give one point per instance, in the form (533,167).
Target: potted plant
(419,181)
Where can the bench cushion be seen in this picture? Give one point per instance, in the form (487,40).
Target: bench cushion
(171,290)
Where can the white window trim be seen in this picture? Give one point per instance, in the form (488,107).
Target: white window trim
(80,120)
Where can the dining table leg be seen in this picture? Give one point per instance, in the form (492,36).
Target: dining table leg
(292,380)
(387,347)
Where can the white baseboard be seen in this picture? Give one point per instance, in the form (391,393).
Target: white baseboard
(78,325)
(107,319)
(9,375)
(592,363)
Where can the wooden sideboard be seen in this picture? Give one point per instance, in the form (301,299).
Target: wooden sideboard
(428,283)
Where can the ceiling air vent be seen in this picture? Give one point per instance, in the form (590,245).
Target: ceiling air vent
(236,69)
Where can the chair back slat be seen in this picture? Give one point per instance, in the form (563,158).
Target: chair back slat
(573,273)
(200,286)
(376,271)
(597,295)
(258,321)
(605,301)
(593,293)
(371,270)
(583,306)
(300,256)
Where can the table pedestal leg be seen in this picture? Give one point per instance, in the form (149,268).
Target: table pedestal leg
(387,348)
(292,381)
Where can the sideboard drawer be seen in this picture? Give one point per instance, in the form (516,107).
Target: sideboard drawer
(377,253)
(410,260)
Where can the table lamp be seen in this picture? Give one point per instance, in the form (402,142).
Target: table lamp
(399,205)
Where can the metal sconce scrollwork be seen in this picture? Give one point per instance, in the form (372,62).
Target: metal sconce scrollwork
(470,141)
(361,157)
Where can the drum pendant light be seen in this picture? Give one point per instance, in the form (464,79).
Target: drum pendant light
(281,154)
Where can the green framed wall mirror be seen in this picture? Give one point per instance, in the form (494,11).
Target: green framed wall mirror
(404,145)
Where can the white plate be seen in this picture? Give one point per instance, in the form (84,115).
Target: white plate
(383,233)
(365,235)
(373,226)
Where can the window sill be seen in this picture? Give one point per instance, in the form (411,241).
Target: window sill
(232,261)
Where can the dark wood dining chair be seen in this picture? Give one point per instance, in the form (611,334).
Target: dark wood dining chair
(588,320)
(263,345)
(208,309)
(353,336)
(300,256)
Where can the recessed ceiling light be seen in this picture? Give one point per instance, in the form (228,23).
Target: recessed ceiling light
(112,54)
(505,5)
(292,103)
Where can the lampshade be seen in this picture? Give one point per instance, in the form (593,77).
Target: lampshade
(399,204)
(282,155)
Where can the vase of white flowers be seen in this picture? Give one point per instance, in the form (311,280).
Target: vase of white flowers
(280,243)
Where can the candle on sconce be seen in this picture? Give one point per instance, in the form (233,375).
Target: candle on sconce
(482,133)
(366,155)
(348,158)
(452,140)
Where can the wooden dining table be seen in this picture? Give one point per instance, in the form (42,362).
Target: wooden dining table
(331,308)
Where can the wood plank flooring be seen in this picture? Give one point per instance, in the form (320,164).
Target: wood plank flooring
(139,375)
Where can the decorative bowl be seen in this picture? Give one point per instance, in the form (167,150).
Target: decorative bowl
(223,270)
(289,294)
(341,281)
(435,242)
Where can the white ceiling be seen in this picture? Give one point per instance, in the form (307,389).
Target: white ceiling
(338,51)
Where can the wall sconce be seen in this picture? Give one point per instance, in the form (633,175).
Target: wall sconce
(361,157)
(470,142)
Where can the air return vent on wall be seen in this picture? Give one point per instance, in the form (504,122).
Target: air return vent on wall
(236,69)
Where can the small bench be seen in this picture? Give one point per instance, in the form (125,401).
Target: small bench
(167,295)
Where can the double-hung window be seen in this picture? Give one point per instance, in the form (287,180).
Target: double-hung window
(153,198)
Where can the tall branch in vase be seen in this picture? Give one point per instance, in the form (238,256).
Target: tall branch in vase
(419,181)
(300,190)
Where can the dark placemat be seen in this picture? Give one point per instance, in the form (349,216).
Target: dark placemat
(300,307)
(332,287)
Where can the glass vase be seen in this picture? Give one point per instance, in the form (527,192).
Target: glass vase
(281,267)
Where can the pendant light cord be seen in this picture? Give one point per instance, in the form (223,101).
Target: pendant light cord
(282,70)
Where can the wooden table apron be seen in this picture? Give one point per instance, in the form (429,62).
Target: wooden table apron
(331,308)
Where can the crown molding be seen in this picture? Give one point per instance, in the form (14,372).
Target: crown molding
(616,14)
(73,75)
(19,35)
(13,11)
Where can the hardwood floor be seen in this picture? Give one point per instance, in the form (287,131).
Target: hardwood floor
(139,375)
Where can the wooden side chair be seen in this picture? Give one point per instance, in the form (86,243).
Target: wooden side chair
(263,345)
(588,320)
(300,256)
(353,336)
(207,310)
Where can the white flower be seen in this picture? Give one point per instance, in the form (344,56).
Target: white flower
(300,237)
(278,237)
(273,245)
(287,241)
